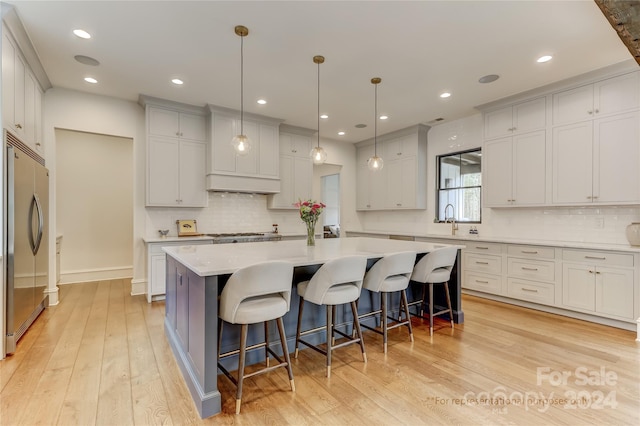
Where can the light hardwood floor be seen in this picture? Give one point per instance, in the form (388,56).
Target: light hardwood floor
(101,357)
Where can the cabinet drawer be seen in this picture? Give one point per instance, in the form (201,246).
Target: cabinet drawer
(477,247)
(598,257)
(483,263)
(535,270)
(532,252)
(531,290)
(481,282)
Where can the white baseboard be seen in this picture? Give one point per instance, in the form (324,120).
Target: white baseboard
(89,275)
(138,286)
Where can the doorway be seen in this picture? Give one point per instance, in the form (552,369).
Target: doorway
(329,178)
(94,206)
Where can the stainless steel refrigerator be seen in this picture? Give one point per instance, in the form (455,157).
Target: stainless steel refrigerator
(26,241)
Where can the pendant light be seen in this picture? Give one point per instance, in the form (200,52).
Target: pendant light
(318,155)
(241,143)
(375,163)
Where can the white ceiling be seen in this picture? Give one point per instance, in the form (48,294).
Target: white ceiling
(418,48)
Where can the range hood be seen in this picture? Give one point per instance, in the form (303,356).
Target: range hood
(248,184)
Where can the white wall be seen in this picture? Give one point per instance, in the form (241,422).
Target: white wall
(94,187)
(581,224)
(71,110)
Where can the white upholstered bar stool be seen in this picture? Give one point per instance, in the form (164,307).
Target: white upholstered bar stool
(337,282)
(435,268)
(388,275)
(255,294)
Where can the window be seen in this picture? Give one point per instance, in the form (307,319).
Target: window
(460,184)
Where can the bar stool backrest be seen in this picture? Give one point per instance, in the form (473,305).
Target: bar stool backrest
(436,266)
(335,272)
(393,266)
(259,280)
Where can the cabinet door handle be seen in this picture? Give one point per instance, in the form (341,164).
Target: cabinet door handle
(530,290)
(399,204)
(398,153)
(529,252)
(482,263)
(590,112)
(482,282)
(482,248)
(594,197)
(18,126)
(529,269)
(595,257)
(597,110)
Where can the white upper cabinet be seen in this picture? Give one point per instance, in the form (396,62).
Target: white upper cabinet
(21,96)
(257,171)
(176,155)
(519,118)
(609,96)
(165,122)
(514,170)
(401,184)
(597,161)
(296,168)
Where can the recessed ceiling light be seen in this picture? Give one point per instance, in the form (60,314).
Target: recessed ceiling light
(340,133)
(445,95)
(262,101)
(545,58)
(490,78)
(82,34)
(90,80)
(324,116)
(177,81)
(384,117)
(86,60)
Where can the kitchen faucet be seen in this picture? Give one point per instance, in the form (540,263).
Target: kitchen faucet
(454,226)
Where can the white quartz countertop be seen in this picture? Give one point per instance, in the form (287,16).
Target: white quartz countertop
(462,238)
(217,259)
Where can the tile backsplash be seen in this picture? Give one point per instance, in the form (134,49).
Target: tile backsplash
(226,213)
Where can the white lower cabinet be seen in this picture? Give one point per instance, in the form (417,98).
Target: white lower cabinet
(482,267)
(157,266)
(602,283)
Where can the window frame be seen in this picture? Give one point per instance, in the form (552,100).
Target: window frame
(439,189)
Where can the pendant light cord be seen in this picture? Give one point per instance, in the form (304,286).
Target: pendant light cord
(318,104)
(375,124)
(242,85)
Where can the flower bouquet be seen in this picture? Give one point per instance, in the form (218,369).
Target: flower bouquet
(309,213)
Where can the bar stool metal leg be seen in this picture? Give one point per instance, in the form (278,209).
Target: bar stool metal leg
(405,305)
(383,319)
(356,323)
(241,362)
(266,343)
(285,351)
(430,309)
(300,308)
(329,337)
(446,289)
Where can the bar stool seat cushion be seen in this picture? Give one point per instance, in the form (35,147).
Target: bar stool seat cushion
(336,295)
(261,308)
(394,283)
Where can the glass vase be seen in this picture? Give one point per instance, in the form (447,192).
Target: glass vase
(311,233)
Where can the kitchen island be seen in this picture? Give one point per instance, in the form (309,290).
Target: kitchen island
(196,275)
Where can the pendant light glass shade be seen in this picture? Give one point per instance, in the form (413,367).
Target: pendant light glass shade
(375,163)
(241,143)
(318,155)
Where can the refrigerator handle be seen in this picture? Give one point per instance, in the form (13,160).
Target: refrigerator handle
(35,245)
